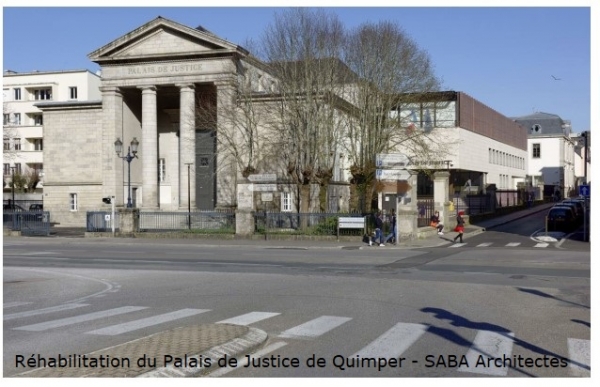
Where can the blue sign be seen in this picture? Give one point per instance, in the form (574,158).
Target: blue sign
(584,190)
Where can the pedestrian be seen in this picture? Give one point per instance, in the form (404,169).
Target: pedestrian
(460,226)
(436,223)
(378,230)
(392,234)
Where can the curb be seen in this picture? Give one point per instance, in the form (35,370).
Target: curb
(248,343)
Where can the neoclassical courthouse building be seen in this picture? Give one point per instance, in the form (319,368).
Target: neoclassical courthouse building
(151,80)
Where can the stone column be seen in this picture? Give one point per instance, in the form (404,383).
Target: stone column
(149,149)
(187,145)
(407,212)
(440,195)
(226,166)
(112,128)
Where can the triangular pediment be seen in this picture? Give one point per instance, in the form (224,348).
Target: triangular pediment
(163,38)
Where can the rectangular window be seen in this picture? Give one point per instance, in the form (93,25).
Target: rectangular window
(73,201)
(38,119)
(17,119)
(6,119)
(42,94)
(17,142)
(38,144)
(18,170)
(286,202)
(6,144)
(162,170)
(73,92)
(6,169)
(17,94)
(537,151)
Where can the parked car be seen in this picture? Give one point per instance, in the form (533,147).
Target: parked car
(576,209)
(36,207)
(562,218)
(578,204)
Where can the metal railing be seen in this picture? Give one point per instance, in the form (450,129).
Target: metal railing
(210,222)
(100,221)
(28,222)
(293,223)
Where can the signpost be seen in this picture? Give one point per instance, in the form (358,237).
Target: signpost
(262,177)
(391,160)
(392,174)
(584,190)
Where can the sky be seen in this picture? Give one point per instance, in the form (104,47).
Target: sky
(505,57)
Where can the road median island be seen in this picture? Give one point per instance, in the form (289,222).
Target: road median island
(178,352)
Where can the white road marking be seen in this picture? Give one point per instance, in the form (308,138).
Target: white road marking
(541,245)
(456,245)
(316,327)
(36,312)
(579,354)
(79,319)
(393,342)
(146,322)
(489,344)
(484,244)
(513,244)
(249,318)
(14,304)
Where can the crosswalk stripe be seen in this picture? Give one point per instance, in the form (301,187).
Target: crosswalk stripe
(513,244)
(541,245)
(457,245)
(393,342)
(14,304)
(489,344)
(78,319)
(316,327)
(266,350)
(249,318)
(146,322)
(484,244)
(579,354)
(42,311)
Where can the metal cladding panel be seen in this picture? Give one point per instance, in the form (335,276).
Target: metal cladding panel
(481,119)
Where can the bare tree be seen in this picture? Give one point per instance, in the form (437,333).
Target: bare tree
(302,47)
(390,65)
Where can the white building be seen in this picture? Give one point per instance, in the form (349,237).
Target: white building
(23,125)
(551,153)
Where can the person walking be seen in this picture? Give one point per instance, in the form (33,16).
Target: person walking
(436,223)
(392,234)
(460,226)
(378,230)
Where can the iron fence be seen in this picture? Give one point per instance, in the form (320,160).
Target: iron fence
(426,209)
(210,222)
(100,221)
(28,222)
(293,223)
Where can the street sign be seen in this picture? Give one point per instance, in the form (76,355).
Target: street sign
(392,174)
(264,187)
(391,160)
(584,190)
(262,177)
(266,196)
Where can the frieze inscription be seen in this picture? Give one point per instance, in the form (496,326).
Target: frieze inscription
(164,69)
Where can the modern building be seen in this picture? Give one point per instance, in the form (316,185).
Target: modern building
(551,153)
(481,146)
(23,125)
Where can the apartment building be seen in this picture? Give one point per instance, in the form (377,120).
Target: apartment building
(23,122)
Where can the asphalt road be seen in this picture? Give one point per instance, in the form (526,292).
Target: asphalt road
(426,305)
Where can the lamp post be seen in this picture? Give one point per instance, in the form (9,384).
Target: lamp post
(189,202)
(131,154)
(12,183)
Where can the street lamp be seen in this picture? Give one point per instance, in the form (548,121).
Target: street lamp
(188,195)
(12,172)
(131,154)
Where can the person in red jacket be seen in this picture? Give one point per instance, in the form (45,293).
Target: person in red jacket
(460,226)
